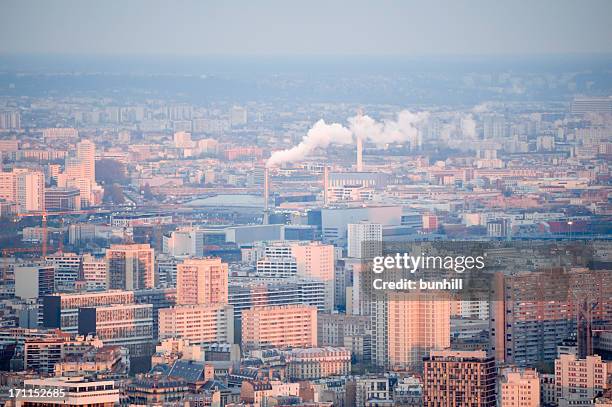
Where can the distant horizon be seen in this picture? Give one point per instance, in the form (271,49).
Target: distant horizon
(401,80)
(194,64)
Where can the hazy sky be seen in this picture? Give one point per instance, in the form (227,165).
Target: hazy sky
(263,27)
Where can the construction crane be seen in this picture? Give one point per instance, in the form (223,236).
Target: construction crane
(44,233)
(44,214)
(43,249)
(588,295)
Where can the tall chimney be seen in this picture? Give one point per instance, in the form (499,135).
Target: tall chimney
(325,185)
(359,154)
(266,195)
(359,146)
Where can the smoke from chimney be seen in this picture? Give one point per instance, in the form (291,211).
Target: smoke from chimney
(359,154)
(468,127)
(266,196)
(481,108)
(402,129)
(321,135)
(464,124)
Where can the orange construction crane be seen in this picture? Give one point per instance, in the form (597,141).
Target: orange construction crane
(44,214)
(44,233)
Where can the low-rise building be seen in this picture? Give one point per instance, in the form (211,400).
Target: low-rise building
(459,378)
(580,380)
(71,391)
(200,324)
(520,388)
(317,363)
(284,327)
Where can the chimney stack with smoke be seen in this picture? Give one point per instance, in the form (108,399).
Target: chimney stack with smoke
(359,154)
(325,185)
(266,214)
(404,128)
(359,144)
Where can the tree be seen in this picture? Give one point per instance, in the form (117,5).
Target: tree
(114,194)
(147,193)
(110,171)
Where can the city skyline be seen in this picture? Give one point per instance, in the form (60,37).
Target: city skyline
(308,204)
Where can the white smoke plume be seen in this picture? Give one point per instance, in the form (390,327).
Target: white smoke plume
(468,124)
(468,127)
(448,130)
(481,108)
(321,135)
(403,128)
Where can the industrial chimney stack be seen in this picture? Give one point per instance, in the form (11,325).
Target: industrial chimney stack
(359,146)
(266,213)
(325,185)
(359,154)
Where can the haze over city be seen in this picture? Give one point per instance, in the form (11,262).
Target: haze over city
(341,203)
